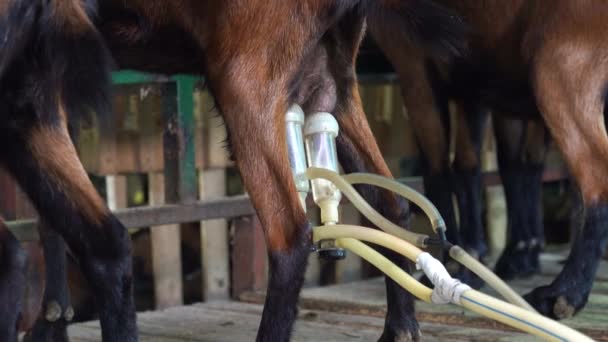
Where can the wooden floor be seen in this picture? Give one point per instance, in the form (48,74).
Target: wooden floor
(350,312)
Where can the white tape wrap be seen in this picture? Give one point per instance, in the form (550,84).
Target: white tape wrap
(447,289)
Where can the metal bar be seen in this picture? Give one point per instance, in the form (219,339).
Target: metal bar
(141,217)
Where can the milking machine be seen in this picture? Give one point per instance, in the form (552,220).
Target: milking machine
(313,157)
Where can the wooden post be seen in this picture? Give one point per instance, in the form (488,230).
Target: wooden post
(214,240)
(496,213)
(166,252)
(116,190)
(179,187)
(249,270)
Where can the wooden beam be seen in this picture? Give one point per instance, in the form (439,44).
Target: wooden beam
(248,256)
(215,256)
(166,252)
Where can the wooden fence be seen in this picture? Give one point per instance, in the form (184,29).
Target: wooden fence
(166,128)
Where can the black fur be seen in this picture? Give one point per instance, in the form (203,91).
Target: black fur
(59,66)
(56,289)
(286,269)
(400,317)
(468,194)
(569,292)
(423,22)
(522,180)
(13,262)
(103,250)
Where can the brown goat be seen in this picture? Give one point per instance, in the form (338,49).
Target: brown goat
(258,57)
(528,58)
(521,149)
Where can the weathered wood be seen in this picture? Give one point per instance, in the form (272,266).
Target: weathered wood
(236,322)
(116,191)
(8,205)
(140,217)
(368,298)
(166,253)
(214,240)
(248,255)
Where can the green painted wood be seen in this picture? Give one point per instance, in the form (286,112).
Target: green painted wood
(187,163)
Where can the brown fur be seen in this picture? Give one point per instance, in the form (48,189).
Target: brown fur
(71,16)
(4,6)
(61,162)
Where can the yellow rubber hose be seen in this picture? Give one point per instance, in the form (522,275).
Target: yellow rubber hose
(382,263)
(460,255)
(365,208)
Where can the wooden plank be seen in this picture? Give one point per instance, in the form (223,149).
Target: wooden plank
(235,322)
(214,240)
(166,252)
(116,191)
(368,298)
(248,256)
(151,158)
(141,217)
(8,205)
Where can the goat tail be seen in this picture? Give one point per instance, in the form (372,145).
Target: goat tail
(433,27)
(56,43)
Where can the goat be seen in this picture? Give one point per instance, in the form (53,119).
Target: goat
(521,149)
(528,60)
(258,57)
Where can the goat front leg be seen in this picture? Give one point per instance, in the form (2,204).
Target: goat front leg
(254,112)
(56,312)
(358,152)
(570,83)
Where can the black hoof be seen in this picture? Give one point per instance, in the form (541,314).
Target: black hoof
(518,261)
(406,334)
(557,303)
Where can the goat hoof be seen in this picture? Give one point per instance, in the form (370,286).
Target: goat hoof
(53,311)
(557,303)
(68,315)
(517,261)
(400,336)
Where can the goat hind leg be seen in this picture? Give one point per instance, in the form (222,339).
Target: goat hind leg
(358,152)
(44,162)
(12,284)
